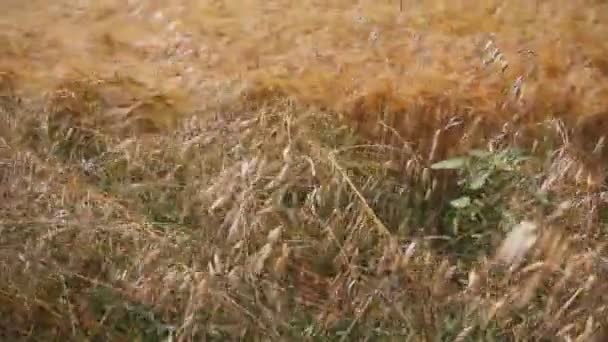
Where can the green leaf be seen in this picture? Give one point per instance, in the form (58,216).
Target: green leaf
(479,181)
(461,202)
(520,159)
(450,164)
(479,153)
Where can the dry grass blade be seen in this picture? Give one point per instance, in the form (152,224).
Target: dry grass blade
(379,225)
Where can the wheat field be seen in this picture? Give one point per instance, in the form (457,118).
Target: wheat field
(366,170)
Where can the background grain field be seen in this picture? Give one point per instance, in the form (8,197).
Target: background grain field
(315,170)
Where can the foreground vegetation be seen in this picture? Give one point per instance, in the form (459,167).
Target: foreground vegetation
(364,186)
